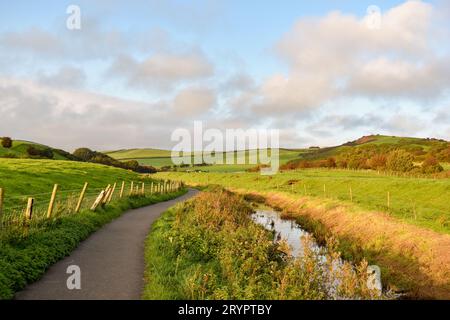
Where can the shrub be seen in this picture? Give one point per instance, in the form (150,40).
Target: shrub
(6,142)
(431,165)
(39,153)
(400,160)
(377,162)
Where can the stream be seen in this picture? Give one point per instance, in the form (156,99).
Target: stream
(292,233)
(288,230)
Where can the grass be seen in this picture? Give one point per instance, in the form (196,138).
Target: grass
(21,178)
(409,241)
(19,149)
(25,257)
(418,201)
(162,158)
(209,248)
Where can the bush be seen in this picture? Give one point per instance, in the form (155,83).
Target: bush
(87,155)
(400,160)
(6,142)
(40,153)
(431,165)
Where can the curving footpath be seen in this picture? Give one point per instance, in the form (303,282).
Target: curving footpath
(111,261)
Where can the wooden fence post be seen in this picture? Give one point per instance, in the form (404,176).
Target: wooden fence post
(98,200)
(106,195)
(121,189)
(143,189)
(351,194)
(112,192)
(29,209)
(324,190)
(2,196)
(80,199)
(52,201)
(389,200)
(151,188)
(131,188)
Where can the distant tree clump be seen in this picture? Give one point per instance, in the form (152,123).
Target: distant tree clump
(87,155)
(34,152)
(7,142)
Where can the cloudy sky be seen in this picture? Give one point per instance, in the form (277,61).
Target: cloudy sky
(322,72)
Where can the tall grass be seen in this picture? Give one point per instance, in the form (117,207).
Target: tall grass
(209,248)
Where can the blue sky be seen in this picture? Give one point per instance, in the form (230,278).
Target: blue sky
(320,77)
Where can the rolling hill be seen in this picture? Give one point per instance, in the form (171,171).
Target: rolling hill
(19,150)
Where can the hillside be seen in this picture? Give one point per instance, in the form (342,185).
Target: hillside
(19,150)
(162,158)
(146,153)
(417,146)
(20,178)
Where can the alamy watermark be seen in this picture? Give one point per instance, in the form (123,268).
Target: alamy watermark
(74,280)
(373,17)
(231,146)
(73,21)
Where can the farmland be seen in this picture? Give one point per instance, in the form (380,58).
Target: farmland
(162,158)
(422,202)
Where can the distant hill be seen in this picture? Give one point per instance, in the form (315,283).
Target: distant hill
(126,154)
(19,150)
(417,146)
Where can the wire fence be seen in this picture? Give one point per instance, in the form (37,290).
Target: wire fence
(23,212)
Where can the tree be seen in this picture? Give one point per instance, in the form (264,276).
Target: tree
(400,160)
(84,154)
(6,142)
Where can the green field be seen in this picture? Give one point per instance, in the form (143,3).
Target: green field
(422,202)
(23,178)
(162,158)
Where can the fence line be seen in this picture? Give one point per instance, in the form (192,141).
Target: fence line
(72,201)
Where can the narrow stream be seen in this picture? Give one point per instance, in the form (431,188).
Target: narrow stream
(292,233)
(288,230)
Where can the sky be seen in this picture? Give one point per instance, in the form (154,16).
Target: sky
(321,72)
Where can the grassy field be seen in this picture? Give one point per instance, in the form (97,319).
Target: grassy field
(422,202)
(161,158)
(22,178)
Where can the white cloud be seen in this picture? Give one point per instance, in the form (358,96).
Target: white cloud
(192,102)
(339,56)
(64,77)
(162,70)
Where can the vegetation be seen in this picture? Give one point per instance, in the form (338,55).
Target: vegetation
(19,149)
(87,155)
(162,159)
(25,256)
(419,201)
(397,238)
(6,142)
(209,248)
(377,153)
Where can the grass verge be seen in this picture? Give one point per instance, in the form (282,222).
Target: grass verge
(25,257)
